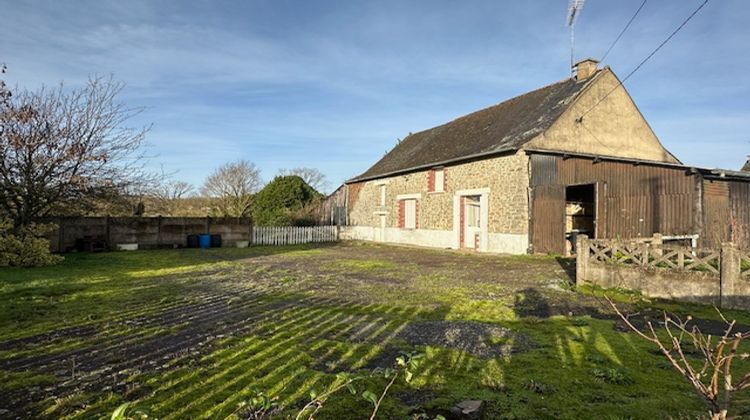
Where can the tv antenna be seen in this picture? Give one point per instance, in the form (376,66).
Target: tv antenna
(574,9)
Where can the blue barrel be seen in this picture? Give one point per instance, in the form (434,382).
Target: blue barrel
(204,241)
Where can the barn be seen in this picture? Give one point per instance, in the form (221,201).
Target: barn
(529,174)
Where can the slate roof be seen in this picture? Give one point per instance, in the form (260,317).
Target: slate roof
(500,128)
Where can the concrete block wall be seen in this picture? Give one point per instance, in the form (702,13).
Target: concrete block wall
(147,232)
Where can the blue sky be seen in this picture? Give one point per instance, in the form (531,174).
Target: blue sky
(334,84)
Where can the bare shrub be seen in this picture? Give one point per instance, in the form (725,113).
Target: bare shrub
(711,373)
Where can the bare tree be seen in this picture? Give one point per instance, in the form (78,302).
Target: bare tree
(311,176)
(232,186)
(711,375)
(168,196)
(62,149)
(4,92)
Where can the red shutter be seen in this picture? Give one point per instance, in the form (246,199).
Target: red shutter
(445,179)
(401,214)
(431,180)
(461,220)
(416,214)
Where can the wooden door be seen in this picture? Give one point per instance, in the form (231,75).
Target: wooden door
(716,212)
(548,219)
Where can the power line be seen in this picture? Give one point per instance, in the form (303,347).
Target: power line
(597,139)
(623,30)
(638,67)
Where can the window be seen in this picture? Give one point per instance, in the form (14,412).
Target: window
(436,180)
(382,195)
(439,180)
(408,209)
(410,214)
(472,212)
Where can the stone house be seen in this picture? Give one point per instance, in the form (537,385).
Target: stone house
(521,176)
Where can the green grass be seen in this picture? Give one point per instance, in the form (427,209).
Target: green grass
(11,381)
(311,312)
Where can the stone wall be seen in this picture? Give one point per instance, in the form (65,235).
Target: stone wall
(506,178)
(726,287)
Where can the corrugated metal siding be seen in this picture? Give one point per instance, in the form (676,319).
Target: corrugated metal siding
(717,213)
(739,196)
(548,219)
(634,200)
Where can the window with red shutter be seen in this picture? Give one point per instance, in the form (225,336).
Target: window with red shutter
(416,214)
(401,213)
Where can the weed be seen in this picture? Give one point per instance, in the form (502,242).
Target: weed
(612,376)
(579,322)
(596,359)
(539,387)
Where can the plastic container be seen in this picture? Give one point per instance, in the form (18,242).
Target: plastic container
(242,244)
(215,241)
(204,241)
(192,241)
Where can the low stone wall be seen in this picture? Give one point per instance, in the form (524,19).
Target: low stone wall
(714,277)
(147,232)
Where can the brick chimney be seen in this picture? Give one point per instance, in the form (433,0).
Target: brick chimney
(585,68)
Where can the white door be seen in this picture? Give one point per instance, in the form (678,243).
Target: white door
(472,222)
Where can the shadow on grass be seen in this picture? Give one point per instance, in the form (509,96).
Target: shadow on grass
(569,267)
(288,346)
(91,287)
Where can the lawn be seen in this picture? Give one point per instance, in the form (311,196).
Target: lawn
(194,333)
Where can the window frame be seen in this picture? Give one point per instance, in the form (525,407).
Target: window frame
(410,213)
(439,173)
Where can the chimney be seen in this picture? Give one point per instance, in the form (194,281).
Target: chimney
(585,68)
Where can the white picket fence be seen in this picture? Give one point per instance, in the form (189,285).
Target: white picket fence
(292,235)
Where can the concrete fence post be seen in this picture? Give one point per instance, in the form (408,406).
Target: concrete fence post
(657,242)
(729,274)
(582,257)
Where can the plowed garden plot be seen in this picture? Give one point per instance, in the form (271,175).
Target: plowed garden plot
(192,334)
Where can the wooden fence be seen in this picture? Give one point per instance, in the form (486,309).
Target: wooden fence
(293,235)
(715,276)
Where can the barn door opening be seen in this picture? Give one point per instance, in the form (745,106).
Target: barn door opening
(580,214)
